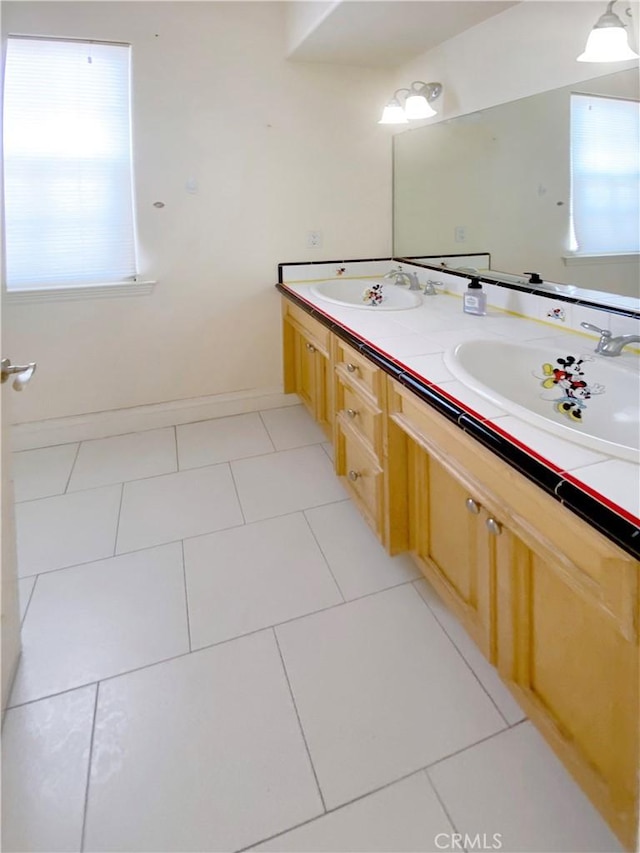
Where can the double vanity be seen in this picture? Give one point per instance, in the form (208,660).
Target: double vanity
(501,453)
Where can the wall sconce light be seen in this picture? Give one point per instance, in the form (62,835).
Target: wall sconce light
(608,41)
(417,103)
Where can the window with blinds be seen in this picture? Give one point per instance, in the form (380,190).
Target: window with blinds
(68,182)
(605,175)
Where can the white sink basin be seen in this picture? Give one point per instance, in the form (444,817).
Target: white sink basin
(352,293)
(595,403)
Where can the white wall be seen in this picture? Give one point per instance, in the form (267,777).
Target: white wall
(529,48)
(277,149)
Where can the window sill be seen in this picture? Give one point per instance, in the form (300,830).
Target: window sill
(73,292)
(576,260)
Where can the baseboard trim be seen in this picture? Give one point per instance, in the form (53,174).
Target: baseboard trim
(28,436)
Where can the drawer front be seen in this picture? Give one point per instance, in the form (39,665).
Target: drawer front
(356,369)
(363,477)
(319,334)
(359,414)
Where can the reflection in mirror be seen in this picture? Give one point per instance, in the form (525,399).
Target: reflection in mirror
(498,181)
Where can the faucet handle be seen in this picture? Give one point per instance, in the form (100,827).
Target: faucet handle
(604,332)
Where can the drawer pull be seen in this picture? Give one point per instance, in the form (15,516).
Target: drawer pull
(352,367)
(472,506)
(353,475)
(493,526)
(310,347)
(351,413)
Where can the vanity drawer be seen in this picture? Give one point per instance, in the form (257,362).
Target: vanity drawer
(356,369)
(363,475)
(305,322)
(360,415)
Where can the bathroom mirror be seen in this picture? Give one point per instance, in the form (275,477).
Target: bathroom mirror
(498,181)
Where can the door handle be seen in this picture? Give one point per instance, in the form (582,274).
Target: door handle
(22,372)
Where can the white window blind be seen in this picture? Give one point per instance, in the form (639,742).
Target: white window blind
(69,215)
(605,175)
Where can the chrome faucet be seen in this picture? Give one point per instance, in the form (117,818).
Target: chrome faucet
(402,277)
(608,345)
(430,288)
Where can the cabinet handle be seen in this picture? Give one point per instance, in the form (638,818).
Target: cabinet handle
(351,413)
(353,475)
(472,506)
(310,347)
(493,526)
(352,368)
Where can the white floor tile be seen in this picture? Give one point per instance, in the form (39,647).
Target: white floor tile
(405,816)
(62,531)
(25,588)
(328,449)
(514,785)
(174,506)
(94,621)
(358,561)
(292,427)
(381,691)
(45,759)
(203,753)
(485,672)
(254,576)
(42,473)
(286,482)
(222,439)
(124,457)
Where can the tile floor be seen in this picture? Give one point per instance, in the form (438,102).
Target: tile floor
(219,656)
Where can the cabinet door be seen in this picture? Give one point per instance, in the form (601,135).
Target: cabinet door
(576,676)
(451,541)
(323,393)
(307,373)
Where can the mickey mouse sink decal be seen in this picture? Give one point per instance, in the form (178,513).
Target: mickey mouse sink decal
(575,395)
(568,379)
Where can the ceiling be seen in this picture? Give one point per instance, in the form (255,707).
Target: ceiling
(388,33)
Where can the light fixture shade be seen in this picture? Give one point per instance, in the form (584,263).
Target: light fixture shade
(608,41)
(607,44)
(393,114)
(417,106)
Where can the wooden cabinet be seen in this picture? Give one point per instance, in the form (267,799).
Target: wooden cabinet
(307,368)
(551,602)
(575,673)
(457,542)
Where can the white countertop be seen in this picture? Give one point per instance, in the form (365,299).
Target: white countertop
(417,339)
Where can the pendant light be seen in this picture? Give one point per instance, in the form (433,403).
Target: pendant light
(608,41)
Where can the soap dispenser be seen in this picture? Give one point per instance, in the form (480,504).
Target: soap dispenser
(474,301)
